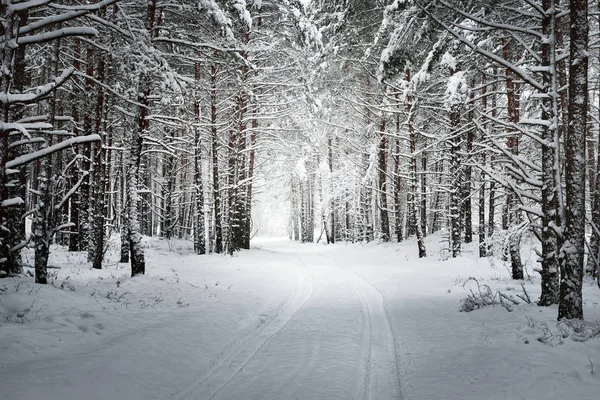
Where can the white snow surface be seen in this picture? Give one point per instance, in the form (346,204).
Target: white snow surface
(286,321)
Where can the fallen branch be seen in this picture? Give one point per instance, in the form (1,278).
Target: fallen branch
(48,266)
(508,298)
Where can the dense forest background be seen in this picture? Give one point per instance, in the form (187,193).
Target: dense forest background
(376,120)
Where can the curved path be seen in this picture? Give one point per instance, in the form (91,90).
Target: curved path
(331,340)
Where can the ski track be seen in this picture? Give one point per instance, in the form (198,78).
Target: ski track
(381,363)
(375,364)
(226,368)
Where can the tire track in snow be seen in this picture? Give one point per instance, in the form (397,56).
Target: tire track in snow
(364,385)
(227,367)
(380,363)
(307,361)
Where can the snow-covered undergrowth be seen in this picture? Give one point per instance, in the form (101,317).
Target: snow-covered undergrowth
(98,334)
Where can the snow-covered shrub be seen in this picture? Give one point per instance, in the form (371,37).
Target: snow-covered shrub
(482,297)
(577,330)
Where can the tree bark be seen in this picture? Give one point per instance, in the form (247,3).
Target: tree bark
(481,228)
(215,161)
(199,239)
(549,243)
(382,169)
(512,213)
(413,173)
(571,303)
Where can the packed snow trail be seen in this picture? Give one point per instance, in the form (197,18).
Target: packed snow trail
(332,341)
(282,322)
(285,321)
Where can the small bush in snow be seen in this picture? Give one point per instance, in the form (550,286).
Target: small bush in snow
(484,296)
(481,298)
(577,330)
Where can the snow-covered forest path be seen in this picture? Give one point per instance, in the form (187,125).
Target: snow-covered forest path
(285,321)
(330,339)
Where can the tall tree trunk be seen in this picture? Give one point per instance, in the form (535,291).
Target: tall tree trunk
(43,227)
(85,192)
(18,188)
(199,239)
(455,195)
(100,208)
(332,202)
(412,203)
(467,184)
(481,231)
(251,165)
(571,303)
(99,185)
(382,164)
(397,179)
(215,161)
(423,208)
(512,211)
(136,251)
(593,261)
(548,256)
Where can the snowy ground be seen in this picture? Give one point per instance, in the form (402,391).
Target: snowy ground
(287,321)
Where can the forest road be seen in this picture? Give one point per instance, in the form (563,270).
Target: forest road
(331,340)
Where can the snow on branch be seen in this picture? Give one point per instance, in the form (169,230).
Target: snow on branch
(66,225)
(9,127)
(27,158)
(456,91)
(57,34)
(27,5)
(86,7)
(195,45)
(15,201)
(25,142)
(110,89)
(38,92)
(51,20)
(242,9)
(487,54)
(72,191)
(217,14)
